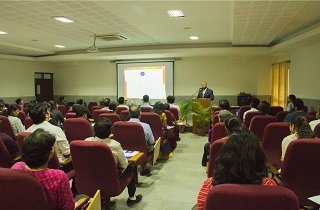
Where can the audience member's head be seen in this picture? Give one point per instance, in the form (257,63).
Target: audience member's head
(291,97)
(166,106)
(81,111)
(158,107)
(300,125)
(224,104)
(102,128)
(134,111)
(38,113)
(145,98)
(19,101)
(101,101)
(13,110)
(170,99)
(62,99)
(298,104)
(318,114)
(2,107)
(264,108)
(232,123)
(121,100)
(106,102)
(241,160)
(223,115)
(37,148)
(80,101)
(53,105)
(113,106)
(255,102)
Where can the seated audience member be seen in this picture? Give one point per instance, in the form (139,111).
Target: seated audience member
(231,123)
(3,109)
(264,108)
(38,116)
(135,115)
(170,100)
(241,161)
(313,123)
(30,106)
(121,102)
(48,115)
(10,144)
(291,98)
(159,109)
(37,150)
(63,100)
(105,104)
(146,102)
(81,112)
(173,133)
(102,130)
(296,110)
(299,129)
(113,106)
(20,103)
(56,112)
(101,100)
(224,104)
(224,114)
(254,107)
(16,124)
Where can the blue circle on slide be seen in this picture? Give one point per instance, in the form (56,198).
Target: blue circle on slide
(142,73)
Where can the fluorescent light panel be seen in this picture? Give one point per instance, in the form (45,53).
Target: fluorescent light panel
(59,46)
(194,37)
(63,19)
(175,13)
(3,32)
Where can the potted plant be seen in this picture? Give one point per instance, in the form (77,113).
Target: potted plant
(202,116)
(185,110)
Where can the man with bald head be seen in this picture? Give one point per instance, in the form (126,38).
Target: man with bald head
(205,92)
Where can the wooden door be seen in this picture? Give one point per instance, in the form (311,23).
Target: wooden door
(43,86)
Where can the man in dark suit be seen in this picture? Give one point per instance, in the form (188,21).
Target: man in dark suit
(205,92)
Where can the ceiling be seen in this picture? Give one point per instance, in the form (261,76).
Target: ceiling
(224,28)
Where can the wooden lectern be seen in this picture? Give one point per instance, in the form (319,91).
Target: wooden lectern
(205,102)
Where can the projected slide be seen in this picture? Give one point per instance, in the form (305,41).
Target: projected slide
(149,80)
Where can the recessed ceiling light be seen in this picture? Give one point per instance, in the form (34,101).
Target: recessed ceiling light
(63,19)
(194,37)
(3,32)
(176,13)
(59,46)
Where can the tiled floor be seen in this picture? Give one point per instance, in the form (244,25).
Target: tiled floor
(174,183)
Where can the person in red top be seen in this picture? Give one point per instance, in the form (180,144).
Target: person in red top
(241,161)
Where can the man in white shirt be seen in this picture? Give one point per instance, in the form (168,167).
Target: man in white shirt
(254,105)
(313,123)
(146,101)
(38,115)
(121,102)
(170,100)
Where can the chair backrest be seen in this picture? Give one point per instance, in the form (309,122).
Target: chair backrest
(71,115)
(97,112)
(175,112)
(259,122)
(249,196)
(96,107)
(242,110)
(312,113)
(169,118)
(153,119)
(77,128)
(215,149)
(281,115)
(300,170)
(53,118)
(317,130)
(305,109)
(90,105)
(63,109)
(310,117)
(95,171)
(21,190)
(271,141)
(218,131)
(22,116)
(28,122)
(125,114)
(145,109)
(215,119)
(216,109)
(70,103)
(120,108)
(274,110)
(113,117)
(249,117)
(5,158)
(20,138)
(5,127)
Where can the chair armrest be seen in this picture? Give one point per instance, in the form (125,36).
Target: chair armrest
(16,159)
(80,203)
(156,150)
(66,162)
(276,174)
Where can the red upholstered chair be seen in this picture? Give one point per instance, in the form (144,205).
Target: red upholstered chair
(237,196)
(215,119)
(96,107)
(281,115)
(90,105)
(125,114)
(5,127)
(274,110)
(97,112)
(5,158)
(305,109)
(77,129)
(97,170)
(258,123)
(300,170)
(173,132)
(71,115)
(28,122)
(317,130)
(312,113)
(120,108)
(169,118)
(113,117)
(249,117)
(22,116)
(218,131)
(63,109)
(215,149)
(145,109)
(216,109)
(175,112)
(20,138)
(242,110)
(271,141)
(310,118)
(21,190)
(70,103)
